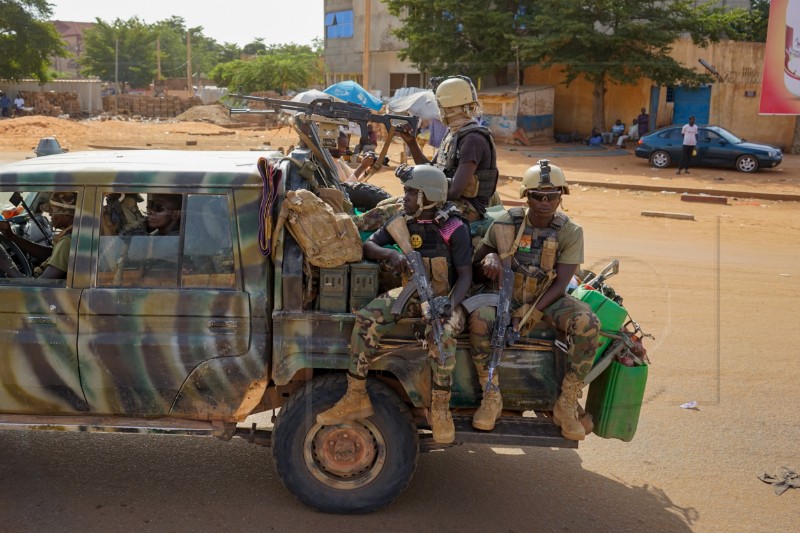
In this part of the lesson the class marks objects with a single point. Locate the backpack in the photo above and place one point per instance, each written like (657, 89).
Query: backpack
(327, 239)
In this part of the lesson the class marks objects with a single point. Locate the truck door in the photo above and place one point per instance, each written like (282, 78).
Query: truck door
(166, 298)
(39, 317)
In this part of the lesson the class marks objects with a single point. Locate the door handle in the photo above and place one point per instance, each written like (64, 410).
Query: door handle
(33, 320)
(223, 324)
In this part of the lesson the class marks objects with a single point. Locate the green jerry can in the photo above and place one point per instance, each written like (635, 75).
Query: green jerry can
(615, 396)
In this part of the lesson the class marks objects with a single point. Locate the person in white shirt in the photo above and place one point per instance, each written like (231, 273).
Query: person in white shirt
(633, 134)
(19, 103)
(347, 174)
(689, 132)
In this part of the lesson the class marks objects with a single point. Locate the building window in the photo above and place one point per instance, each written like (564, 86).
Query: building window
(339, 24)
(670, 94)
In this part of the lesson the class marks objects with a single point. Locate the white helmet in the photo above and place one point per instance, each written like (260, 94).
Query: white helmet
(456, 91)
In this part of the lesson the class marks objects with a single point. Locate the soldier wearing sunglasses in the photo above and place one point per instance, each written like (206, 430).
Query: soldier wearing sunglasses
(543, 247)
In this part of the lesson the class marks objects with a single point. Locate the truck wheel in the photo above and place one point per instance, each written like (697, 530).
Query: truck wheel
(365, 196)
(357, 467)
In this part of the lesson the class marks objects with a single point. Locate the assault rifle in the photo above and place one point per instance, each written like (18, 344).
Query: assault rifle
(503, 334)
(434, 308)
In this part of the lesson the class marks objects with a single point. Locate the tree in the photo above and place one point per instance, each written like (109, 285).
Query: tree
(470, 37)
(27, 40)
(279, 68)
(136, 64)
(748, 25)
(618, 41)
(255, 47)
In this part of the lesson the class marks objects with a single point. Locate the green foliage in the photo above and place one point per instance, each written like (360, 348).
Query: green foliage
(138, 45)
(470, 37)
(137, 52)
(619, 40)
(278, 68)
(27, 40)
(748, 25)
(255, 47)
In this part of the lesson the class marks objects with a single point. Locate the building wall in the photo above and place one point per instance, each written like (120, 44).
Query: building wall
(72, 34)
(344, 56)
(88, 91)
(739, 65)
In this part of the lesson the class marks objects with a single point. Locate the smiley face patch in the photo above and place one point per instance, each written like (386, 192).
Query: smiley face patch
(416, 241)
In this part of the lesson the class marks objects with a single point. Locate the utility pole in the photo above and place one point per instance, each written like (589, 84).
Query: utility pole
(116, 75)
(158, 57)
(367, 22)
(189, 63)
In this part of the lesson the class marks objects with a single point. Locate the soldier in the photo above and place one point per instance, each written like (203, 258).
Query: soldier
(447, 252)
(544, 247)
(467, 154)
(62, 213)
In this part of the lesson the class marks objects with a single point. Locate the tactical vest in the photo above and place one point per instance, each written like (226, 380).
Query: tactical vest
(530, 279)
(484, 182)
(436, 254)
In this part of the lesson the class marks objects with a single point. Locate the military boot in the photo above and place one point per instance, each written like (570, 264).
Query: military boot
(354, 404)
(492, 402)
(441, 420)
(565, 414)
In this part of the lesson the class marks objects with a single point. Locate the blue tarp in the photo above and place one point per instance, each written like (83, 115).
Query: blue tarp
(352, 92)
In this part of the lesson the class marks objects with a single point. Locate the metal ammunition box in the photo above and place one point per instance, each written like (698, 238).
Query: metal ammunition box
(363, 284)
(334, 288)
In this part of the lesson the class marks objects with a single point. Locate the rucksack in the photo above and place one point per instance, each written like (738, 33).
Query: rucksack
(327, 239)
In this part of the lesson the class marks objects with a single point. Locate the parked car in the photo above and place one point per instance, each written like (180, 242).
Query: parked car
(716, 147)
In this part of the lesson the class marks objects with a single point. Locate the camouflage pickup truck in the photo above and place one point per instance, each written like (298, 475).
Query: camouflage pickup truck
(191, 331)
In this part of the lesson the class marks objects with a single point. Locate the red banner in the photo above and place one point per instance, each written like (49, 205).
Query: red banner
(780, 85)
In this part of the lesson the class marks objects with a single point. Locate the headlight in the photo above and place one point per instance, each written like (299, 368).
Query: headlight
(772, 153)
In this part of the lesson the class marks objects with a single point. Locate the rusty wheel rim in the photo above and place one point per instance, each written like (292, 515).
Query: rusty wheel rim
(345, 456)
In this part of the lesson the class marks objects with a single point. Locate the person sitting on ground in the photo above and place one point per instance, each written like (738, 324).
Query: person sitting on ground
(19, 103)
(595, 138)
(633, 133)
(55, 260)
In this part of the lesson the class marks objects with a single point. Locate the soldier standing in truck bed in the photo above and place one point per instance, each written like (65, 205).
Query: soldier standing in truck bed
(544, 250)
(446, 250)
(467, 154)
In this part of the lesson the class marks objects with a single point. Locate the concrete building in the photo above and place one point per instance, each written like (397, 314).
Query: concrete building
(349, 24)
(72, 34)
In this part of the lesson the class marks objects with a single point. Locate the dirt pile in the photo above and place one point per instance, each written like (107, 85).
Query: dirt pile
(214, 114)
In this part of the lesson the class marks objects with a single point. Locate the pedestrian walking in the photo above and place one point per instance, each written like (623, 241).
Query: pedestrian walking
(689, 132)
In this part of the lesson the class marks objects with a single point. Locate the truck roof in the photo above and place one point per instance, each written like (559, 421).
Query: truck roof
(137, 167)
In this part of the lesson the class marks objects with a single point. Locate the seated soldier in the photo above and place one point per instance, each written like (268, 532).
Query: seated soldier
(543, 247)
(62, 211)
(446, 250)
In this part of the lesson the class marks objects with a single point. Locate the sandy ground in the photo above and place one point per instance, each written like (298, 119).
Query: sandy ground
(717, 292)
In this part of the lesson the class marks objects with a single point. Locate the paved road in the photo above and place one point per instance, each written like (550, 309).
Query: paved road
(74, 482)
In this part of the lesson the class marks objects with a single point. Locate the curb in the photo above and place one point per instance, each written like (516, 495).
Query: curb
(776, 197)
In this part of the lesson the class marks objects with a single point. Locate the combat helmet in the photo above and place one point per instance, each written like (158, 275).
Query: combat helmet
(456, 91)
(426, 178)
(543, 175)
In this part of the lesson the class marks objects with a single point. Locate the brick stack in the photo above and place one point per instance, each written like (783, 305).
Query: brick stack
(149, 106)
(52, 104)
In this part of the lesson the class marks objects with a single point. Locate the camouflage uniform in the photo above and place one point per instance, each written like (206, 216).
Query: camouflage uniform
(375, 320)
(571, 317)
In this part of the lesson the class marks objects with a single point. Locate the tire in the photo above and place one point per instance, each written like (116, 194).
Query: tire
(747, 163)
(660, 159)
(385, 465)
(17, 256)
(365, 196)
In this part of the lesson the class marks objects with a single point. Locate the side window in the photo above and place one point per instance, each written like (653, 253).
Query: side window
(36, 237)
(165, 240)
(207, 246)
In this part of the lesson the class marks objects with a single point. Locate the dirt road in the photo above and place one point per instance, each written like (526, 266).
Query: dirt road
(718, 292)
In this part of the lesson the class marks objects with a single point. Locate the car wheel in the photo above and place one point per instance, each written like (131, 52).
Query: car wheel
(365, 196)
(16, 255)
(747, 163)
(355, 467)
(660, 159)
